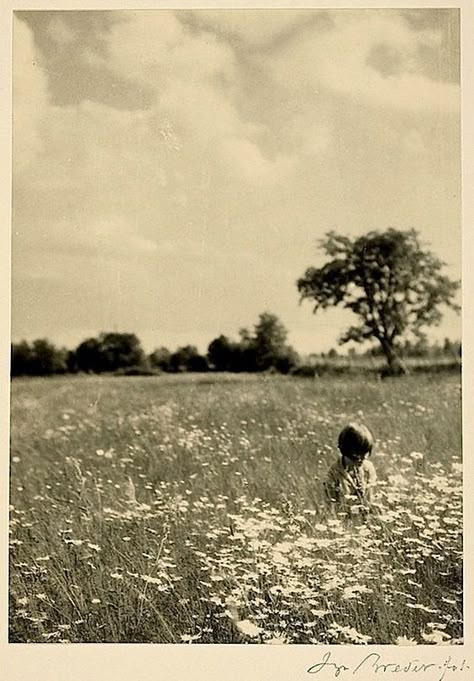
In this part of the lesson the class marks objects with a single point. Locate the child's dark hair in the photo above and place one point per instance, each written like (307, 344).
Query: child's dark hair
(355, 439)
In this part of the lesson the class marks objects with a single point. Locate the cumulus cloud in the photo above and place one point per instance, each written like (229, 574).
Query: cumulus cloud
(100, 152)
(114, 236)
(258, 28)
(60, 32)
(369, 56)
(155, 49)
(195, 75)
(243, 158)
(311, 132)
(30, 98)
(258, 130)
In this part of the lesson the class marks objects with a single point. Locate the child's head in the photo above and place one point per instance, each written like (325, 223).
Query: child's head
(355, 442)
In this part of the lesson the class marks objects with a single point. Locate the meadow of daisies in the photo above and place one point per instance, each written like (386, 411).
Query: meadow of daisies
(190, 509)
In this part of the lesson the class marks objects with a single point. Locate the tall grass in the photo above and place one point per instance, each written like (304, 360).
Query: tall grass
(190, 509)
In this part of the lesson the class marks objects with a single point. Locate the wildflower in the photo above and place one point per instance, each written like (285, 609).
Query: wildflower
(410, 581)
(404, 641)
(279, 558)
(424, 608)
(305, 542)
(150, 580)
(248, 628)
(96, 601)
(349, 633)
(232, 609)
(398, 480)
(331, 584)
(319, 613)
(94, 547)
(437, 637)
(52, 634)
(188, 638)
(355, 590)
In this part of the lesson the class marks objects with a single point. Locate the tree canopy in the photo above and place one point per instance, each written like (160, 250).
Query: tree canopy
(222, 353)
(109, 352)
(40, 358)
(259, 350)
(387, 279)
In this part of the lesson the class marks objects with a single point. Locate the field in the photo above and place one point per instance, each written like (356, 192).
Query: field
(179, 509)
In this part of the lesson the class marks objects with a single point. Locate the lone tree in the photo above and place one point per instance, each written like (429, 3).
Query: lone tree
(388, 280)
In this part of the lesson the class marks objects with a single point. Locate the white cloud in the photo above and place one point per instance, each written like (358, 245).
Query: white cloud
(114, 236)
(243, 158)
(201, 112)
(30, 97)
(338, 61)
(60, 32)
(311, 132)
(103, 149)
(254, 27)
(234, 159)
(155, 49)
(195, 77)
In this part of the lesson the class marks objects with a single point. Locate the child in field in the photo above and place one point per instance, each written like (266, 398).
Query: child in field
(351, 479)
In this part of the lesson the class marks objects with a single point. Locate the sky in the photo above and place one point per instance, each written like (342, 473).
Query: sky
(173, 171)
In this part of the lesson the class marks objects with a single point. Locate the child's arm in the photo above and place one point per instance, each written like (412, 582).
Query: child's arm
(371, 479)
(332, 486)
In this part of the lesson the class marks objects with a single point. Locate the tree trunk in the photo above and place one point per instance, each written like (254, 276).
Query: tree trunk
(395, 365)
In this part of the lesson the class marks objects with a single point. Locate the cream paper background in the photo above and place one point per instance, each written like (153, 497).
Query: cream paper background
(137, 662)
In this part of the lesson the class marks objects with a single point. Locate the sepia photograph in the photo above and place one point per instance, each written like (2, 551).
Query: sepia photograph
(236, 340)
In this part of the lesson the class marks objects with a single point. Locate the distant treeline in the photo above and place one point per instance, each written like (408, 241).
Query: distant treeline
(263, 349)
(419, 349)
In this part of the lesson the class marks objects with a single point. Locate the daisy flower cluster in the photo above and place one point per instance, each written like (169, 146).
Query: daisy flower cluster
(181, 510)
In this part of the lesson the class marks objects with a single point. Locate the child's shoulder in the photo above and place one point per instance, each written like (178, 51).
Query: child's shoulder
(336, 467)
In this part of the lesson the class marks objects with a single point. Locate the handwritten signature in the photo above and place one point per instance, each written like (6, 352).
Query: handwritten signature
(373, 663)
